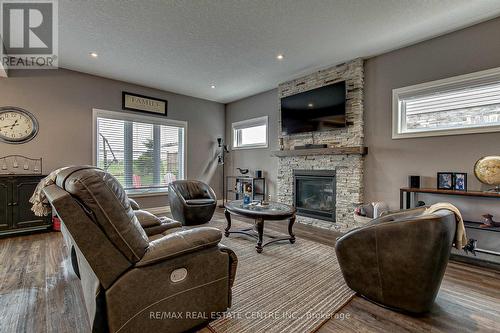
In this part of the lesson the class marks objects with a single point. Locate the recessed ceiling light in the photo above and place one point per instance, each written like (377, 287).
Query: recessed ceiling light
(280, 56)
(310, 105)
(212, 86)
(93, 54)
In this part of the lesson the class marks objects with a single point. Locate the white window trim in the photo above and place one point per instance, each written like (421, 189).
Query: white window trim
(122, 115)
(250, 123)
(434, 86)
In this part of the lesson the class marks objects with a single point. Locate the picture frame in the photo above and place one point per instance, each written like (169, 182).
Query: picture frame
(144, 104)
(460, 181)
(445, 181)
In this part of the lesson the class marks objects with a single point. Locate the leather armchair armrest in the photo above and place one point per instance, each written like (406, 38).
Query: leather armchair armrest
(233, 264)
(146, 219)
(178, 196)
(166, 224)
(210, 192)
(134, 204)
(357, 255)
(179, 243)
(401, 213)
(395, 215)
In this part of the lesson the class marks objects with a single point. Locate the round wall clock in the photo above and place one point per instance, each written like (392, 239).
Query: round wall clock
(17, 125)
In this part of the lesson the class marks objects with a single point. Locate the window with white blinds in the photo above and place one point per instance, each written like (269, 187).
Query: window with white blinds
(459, 105)
(144, 153)
(251, 133)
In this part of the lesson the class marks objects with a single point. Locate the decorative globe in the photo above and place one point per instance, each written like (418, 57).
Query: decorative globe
(487, 170)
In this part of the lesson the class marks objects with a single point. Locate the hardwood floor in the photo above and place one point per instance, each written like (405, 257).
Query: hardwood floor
(468, 301)
(40, 293)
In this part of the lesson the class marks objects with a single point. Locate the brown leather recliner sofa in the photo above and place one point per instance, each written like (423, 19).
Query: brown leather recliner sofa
(136, 278)
(192, 202)
(398, 260)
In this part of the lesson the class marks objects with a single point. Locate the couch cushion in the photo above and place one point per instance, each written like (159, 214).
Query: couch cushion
(200, 201)
(107, 201)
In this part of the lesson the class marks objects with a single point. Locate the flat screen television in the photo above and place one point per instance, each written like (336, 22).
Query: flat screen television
(314, 110)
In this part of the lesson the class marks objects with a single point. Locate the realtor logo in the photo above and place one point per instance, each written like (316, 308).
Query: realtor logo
(29, 34)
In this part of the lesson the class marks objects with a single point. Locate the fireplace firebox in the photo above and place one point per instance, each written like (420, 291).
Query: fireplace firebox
(315, 193)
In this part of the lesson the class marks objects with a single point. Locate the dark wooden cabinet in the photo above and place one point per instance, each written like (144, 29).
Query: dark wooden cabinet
(15, 209)
(5, 199)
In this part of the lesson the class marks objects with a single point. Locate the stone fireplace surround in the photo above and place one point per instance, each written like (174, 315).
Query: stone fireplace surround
(348, 167)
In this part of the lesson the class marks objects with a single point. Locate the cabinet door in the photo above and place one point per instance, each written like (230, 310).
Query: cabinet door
(5, 204)
(22, 216)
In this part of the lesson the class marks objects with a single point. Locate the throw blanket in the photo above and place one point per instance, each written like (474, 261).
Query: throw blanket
(41, 206)
(460, 236)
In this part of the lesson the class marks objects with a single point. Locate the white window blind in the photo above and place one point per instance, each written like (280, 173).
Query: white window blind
(145, 155)
(251, 133)
(459, 105)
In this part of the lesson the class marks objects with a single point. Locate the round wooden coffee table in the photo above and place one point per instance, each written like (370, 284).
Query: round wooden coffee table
(275, 211)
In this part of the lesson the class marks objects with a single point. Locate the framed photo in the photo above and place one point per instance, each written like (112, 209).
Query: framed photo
(445, 180)
(141, 103)
(460, 181)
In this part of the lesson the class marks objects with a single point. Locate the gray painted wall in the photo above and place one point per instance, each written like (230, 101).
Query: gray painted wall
(62, 101)
(389, 162)
(265, 104)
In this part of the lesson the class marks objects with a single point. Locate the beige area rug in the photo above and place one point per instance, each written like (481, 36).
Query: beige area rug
(287, 288)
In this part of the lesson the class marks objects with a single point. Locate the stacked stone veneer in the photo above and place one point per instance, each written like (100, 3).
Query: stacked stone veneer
(349, 168)
(454, 118)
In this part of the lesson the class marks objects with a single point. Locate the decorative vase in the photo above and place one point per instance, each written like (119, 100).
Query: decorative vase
(488, 222)
(246, 199)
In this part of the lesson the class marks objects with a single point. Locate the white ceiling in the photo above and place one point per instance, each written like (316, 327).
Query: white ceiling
(185, 46)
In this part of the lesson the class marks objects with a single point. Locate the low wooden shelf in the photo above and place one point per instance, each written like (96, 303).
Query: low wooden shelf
(256, 182)
(322, 151)
(408, 190)
(487, 238)
(451, 192)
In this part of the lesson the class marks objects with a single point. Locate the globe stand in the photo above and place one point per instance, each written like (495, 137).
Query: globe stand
(496, 189)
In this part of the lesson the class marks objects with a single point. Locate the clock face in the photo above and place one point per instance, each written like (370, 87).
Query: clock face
(17, 125)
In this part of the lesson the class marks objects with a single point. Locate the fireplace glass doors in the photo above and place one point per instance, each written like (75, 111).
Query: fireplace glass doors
(315, 193)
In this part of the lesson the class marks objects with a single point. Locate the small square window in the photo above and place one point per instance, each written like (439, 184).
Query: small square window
(251, 133)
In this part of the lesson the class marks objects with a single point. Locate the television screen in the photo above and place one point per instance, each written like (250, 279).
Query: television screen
(314, 110)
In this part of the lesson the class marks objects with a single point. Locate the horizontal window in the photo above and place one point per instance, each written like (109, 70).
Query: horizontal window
(458, 105)
(251, 133)
(144, 153)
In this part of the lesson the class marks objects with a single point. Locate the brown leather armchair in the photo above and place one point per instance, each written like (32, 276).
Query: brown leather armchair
(134, 280)
(399, 259)
(192, 202)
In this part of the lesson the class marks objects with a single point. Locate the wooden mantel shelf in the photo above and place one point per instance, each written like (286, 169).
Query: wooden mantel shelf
(322, 151)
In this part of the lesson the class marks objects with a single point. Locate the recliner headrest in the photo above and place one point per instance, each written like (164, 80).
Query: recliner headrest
(102, 194)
